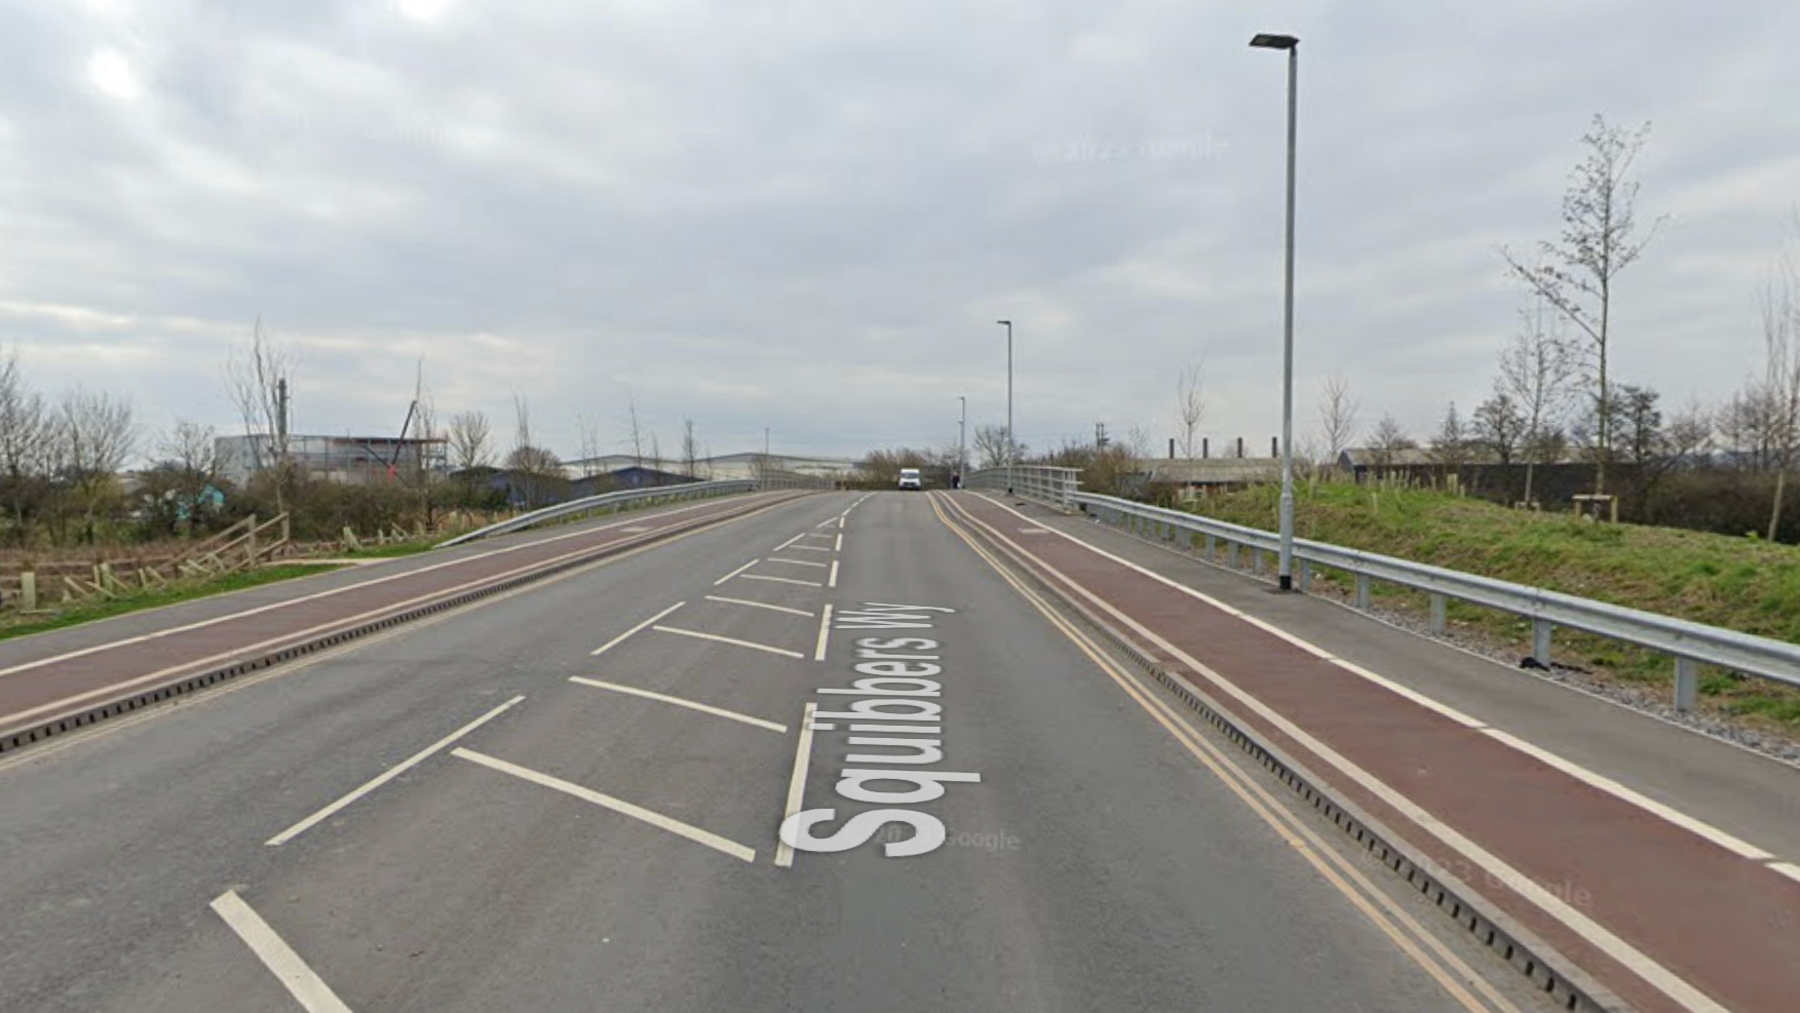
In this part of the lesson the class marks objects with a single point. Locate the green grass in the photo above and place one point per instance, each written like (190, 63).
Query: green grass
(59, 616)
(1737, 583)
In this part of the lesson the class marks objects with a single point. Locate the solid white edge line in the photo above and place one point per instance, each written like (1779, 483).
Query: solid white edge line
(759, 605)
(783, 580)
(824, 634)
(697, 635)
(387, 775)
(795, 562)
(621, 638)
(784, 852)
(1595, 934)
(679, 702)
(1788, 869)
(832, 582)
(1593, 779)
(735, 572)
(307, 988)
(617, 805)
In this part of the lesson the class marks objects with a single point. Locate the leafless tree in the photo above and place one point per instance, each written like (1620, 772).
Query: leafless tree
(1779, 396)
(1387, 440)
(256, 378)
(1337, 417)
(468, 435)
(1450, 447)
(26, 435)
(1537, 371)
(1598, 241)
(636, 432)
(1499, 426)
(1190, 405)
(96, 435)
(690, 449)
(990, 446)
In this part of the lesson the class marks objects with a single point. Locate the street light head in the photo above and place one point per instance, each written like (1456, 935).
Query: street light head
(1007, 323)
(1267, 41)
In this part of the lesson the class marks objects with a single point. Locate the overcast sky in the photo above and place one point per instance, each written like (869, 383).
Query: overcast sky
(807, 216)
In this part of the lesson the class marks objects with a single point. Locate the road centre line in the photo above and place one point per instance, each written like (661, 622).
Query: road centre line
(286, 603)
(839, 546)
(832, 582)
(841, 522)
(796, 562)
(1331, 865)
(385, 776)
(783, 580)
(1591, 778)
(307, 988)
(784, 852)
(735, 572)
(824, 634)
(679, 702)
(1639, 963)
(697, 635)
(759, 605)
(621, 638)
(617, 805)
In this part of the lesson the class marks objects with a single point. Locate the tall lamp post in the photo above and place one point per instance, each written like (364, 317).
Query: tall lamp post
(1011, 444)
(962, 438)
(1286, 568)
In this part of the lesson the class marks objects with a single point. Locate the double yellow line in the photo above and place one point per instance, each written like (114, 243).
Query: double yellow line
(1449, 970)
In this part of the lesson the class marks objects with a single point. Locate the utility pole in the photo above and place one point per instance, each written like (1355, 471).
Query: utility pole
(1099, 436)
(962, 434)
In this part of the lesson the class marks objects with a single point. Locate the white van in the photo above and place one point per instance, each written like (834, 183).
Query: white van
(909, 478)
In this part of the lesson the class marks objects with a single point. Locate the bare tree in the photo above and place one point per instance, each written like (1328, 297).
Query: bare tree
(1387, 440)
(1599, 220)
(990, 446)
(1190, 405)
(1779, 396)
(97, 435)
(690, 449)
(1451, 444)
(1337, 416)
(1538, 372)
(26, 434)
(468, 436)
(1499, 425)
(636, 433)
(256, 378)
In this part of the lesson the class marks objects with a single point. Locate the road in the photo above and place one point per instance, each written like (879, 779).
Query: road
(567, 797)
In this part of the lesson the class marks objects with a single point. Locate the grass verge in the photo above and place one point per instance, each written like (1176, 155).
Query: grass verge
(1737, 583)
(15, 624)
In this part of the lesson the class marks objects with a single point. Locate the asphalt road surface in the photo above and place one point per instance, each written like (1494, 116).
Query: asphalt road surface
(569, 798)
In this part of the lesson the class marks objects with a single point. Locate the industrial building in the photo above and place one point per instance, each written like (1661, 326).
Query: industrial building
(350, 460)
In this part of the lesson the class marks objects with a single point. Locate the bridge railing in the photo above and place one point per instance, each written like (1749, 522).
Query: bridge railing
(1055, 486)
(1690, 644)
(606, 501)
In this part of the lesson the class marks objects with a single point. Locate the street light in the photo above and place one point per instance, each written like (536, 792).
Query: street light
(1010, 443)
(1286, 566)
(962, 438)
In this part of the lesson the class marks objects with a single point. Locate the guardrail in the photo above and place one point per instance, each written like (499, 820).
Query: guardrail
(1690, 644)
(604, 501)
(1056, 486)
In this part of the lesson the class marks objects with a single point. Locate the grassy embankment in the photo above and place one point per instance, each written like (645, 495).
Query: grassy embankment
(1738, 583)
